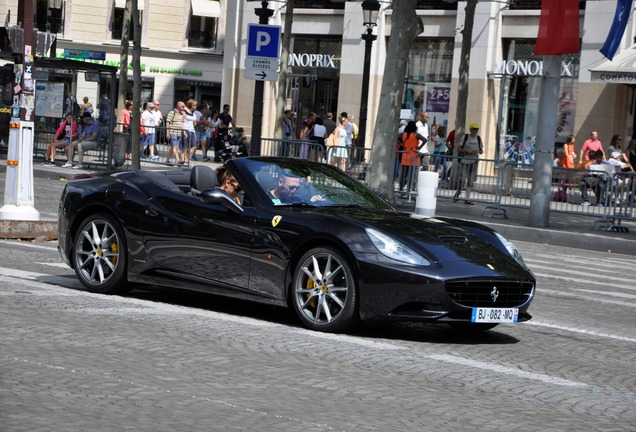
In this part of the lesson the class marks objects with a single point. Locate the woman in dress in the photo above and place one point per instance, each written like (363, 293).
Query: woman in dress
(340, 153)
(568, 152)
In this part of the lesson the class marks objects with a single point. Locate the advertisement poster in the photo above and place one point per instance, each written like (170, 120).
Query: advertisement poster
(49, 100)
(415, 94)
(437, 106)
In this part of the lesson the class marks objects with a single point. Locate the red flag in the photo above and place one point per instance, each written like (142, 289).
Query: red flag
(558, 28)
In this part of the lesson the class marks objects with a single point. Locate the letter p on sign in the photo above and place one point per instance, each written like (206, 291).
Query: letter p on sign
(263, 41)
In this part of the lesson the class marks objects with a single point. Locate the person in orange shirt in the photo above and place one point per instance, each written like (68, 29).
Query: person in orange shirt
(410, 154)
(568, 153)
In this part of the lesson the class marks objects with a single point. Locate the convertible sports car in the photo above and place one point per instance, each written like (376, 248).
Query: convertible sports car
(305, 235)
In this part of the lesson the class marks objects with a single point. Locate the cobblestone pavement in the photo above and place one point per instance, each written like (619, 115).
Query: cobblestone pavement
(171, 361)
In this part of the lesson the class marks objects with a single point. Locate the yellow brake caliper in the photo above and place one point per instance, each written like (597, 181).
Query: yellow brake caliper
(114, 248)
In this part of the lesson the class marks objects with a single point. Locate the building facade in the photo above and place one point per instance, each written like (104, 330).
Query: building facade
(182, 44)
(198, 49)
(504, 77)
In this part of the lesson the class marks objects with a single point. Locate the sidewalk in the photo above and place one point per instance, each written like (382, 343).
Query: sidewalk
(564, 229)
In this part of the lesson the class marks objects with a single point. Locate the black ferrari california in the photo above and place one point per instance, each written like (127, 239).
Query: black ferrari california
(300, 234)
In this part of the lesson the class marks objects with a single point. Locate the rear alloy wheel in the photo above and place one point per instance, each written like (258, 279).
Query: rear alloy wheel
(100, 255)
(324, 291)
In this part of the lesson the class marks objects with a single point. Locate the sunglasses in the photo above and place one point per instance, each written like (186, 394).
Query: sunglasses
(291, 187)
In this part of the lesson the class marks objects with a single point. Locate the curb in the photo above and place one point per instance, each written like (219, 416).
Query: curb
(14, 229)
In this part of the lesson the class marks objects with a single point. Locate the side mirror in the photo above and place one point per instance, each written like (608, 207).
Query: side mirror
(218, 196)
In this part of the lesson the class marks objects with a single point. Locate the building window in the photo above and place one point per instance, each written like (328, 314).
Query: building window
(521, 85)
(319, 4)
(428, 81)
(118, 19)
(314, 75)
(202, 30)
(49, 16)
(534, 4)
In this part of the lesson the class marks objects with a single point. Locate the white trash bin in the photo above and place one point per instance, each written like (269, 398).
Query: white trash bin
(426, 201)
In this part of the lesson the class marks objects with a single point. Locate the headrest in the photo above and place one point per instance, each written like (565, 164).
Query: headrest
(202, 177)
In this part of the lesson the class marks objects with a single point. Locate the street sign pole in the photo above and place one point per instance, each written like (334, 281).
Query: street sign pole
(263, 14)
(18, 192)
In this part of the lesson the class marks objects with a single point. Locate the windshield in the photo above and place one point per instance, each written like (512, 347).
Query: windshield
(290, 181)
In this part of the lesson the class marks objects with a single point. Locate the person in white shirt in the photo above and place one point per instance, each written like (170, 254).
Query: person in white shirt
(148, 121)
(158, 120)
(423, 134)
(189, 139)
(319, 136)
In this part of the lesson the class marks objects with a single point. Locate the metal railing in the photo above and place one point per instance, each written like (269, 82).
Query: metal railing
(500, 185)
(497, 185)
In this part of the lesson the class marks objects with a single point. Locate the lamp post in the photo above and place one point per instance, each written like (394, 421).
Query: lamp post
(370, 11)
(264, 14)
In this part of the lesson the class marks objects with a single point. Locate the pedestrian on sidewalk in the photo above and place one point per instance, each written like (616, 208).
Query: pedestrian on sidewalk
(66, 133)
(87, 140)
(410, 159)
(469, 150)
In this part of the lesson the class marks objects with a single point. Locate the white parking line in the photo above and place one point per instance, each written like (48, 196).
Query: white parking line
(57, 264)
(593, 299)
(608, 293)
(603, 282)
(580, 330)
(548, 379)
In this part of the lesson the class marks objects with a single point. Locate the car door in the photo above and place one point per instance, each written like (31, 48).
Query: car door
(198, 241)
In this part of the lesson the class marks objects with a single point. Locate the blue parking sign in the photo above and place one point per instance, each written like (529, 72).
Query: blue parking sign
(263, 41)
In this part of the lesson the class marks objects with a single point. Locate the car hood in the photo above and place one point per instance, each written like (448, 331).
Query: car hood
(442, 240)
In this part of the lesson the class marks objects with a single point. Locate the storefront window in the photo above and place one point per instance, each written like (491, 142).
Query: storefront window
(520, 75)
(314, 67)
(428, 81)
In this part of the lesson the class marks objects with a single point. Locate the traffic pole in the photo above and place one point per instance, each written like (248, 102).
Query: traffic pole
(18, 196)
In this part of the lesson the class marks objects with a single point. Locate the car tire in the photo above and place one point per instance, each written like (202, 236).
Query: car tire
(100, 254)
(324, 292)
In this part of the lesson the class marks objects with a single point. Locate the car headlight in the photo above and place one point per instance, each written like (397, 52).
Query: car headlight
(394, 249)
(512, 250)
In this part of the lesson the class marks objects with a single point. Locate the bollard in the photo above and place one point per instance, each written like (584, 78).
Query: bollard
(18, 191)
(426, 201)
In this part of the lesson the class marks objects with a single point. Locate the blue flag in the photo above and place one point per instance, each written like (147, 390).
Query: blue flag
(623, 12)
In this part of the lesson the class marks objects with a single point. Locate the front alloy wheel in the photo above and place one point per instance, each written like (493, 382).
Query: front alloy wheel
(100, 255)
(324, 291)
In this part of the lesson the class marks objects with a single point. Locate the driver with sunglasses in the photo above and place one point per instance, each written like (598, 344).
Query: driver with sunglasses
(286, 190)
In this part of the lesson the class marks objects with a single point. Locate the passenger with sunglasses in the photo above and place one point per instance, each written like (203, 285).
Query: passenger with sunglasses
(228, 183)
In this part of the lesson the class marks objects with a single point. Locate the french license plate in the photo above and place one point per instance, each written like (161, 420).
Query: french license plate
(495, 315)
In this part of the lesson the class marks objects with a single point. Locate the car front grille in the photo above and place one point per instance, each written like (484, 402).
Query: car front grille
(489, 293)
